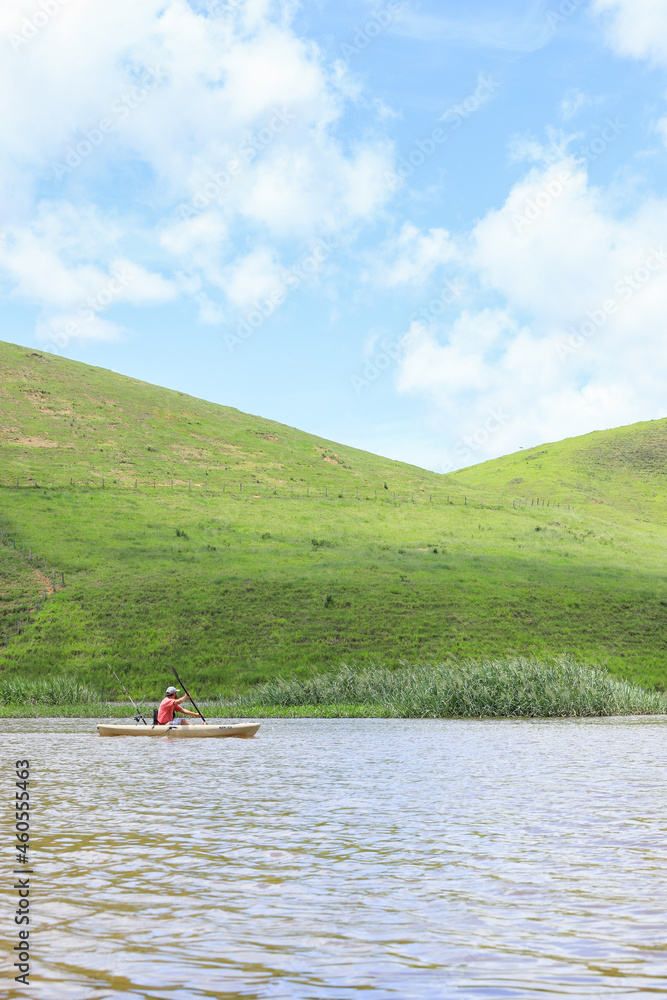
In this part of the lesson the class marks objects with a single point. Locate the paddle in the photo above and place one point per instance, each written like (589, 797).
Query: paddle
(188, 693)
(136, 707)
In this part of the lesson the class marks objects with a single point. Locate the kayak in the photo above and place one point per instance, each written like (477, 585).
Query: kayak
(244, 730)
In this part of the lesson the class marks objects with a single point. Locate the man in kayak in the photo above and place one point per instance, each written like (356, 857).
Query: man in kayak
(171, 704)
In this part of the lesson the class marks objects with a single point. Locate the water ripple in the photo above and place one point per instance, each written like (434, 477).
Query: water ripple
(330, 858)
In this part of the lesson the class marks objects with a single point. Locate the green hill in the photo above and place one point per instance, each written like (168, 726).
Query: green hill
(241, 549)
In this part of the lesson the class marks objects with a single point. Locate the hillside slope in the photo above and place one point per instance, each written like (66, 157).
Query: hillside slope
(60, 419)
(623, 470)
(275, 552)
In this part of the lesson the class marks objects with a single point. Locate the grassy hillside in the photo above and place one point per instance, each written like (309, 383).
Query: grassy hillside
(618, 475)
(278, 553)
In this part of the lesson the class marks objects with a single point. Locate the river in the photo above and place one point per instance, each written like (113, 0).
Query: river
(344, 858)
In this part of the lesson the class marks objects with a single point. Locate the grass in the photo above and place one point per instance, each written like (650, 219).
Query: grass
(509, 688)
(489, 688)
(239, 587)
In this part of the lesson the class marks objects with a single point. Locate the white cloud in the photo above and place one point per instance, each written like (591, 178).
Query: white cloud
(411, 257)
(174, 99)
(574, 102)
(578, 342)
(252, 277)
(515, 34)
(48, 263)
(636, 28)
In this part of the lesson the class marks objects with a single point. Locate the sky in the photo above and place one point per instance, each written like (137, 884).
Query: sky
(432, 230)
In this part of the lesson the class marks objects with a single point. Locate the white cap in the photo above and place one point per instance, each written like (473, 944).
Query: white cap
(173, 690)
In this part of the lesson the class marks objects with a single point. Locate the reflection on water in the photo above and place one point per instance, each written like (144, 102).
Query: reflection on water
(331, 859)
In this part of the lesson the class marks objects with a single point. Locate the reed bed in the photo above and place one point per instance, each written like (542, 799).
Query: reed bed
(488, 688)
(519, 687)
(57, 690)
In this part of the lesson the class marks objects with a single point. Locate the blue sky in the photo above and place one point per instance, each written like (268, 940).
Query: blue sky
(430, 230)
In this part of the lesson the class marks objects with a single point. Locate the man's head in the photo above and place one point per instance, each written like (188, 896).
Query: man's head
(171, 691)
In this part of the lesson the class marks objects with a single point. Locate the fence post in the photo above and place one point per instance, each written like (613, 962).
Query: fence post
(325, 490)
(394, 492)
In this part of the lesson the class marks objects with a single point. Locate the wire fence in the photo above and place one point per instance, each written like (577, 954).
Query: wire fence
(257, 490)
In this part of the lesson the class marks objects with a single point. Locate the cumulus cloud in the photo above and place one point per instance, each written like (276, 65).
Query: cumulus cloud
(411, 257)
(223, 123)
(68, 262)
(578, 341)
(635, 28)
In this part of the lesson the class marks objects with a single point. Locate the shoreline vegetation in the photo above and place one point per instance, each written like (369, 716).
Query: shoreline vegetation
(517, 687)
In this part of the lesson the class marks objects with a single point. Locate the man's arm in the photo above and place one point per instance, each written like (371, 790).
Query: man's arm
(186, 711)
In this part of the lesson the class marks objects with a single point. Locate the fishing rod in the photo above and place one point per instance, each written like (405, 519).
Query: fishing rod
(187, 692)
(136, 707)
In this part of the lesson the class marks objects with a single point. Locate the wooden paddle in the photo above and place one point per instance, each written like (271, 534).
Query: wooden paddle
(188, 693)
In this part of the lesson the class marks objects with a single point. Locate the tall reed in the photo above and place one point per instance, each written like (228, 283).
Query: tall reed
(516, 687)
(57, 690)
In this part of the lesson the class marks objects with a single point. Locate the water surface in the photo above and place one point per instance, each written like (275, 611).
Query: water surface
(338, 859)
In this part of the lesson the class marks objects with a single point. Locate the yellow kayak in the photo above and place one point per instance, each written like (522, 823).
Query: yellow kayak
(244, 730)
